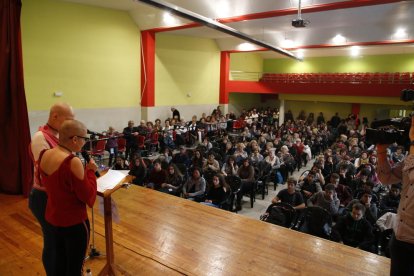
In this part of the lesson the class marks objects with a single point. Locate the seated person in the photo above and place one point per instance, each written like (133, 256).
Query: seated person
(195, 187)
(289, 196)
(217, 193)
(197, 160)
(173, 182)
(120, 164)
(325, 199)
(230, 167)
(181, 157)
(227, 150)
(318, 174)
(157, 176)
(139, 171)
(398, 155)
(367, 187)
(392, 200)
(211, 164)
(255, 156)
(371, 211)
(240, 154)
(273, 160)
(354, 230)
(342, 192)
(308, 186)
(246, 174)
(345, 176)
(360, 179)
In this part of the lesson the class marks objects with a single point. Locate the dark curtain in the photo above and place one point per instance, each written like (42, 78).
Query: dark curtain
(15, 164)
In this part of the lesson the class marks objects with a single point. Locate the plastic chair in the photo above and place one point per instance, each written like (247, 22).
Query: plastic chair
(235, 184)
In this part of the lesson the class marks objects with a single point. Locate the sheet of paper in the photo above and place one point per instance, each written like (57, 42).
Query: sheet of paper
(125, 172)
(109, 180)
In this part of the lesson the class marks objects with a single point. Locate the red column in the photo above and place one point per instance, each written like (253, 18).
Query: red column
(224, 77)
(148, 68)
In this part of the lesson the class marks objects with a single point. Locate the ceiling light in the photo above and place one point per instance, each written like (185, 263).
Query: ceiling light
(288, 44)
(246, 46)
(208, 22)
(169, 19)
(400, 33)
(299, 53)
(339, 39)
(355, 50)
(295, 3)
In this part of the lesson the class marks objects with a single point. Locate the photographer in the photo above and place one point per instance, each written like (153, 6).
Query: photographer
(402, 242)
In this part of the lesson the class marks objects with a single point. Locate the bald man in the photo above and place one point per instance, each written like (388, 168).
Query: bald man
(46, 138)
(69, 188)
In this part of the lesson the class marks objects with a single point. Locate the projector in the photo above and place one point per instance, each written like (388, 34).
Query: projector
(299, 23)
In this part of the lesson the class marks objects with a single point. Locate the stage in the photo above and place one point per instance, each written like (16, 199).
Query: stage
(162, 234)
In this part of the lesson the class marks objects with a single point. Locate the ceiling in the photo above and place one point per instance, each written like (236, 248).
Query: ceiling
(359, 22)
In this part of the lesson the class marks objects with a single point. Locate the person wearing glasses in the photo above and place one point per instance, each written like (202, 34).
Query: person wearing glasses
(70, 187)
(46, 137)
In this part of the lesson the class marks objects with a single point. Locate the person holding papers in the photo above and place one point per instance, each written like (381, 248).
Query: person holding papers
(70, 187)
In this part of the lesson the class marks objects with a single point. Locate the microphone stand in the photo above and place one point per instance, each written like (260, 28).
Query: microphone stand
(93, 253)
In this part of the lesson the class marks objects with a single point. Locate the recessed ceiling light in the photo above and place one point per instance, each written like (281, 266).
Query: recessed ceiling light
(355, 50)
(339, 39)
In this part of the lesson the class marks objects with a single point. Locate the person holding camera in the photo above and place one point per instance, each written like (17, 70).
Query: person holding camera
(402, 241)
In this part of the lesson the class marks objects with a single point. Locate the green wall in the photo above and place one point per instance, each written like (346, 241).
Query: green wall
(90, 54)
(186, 66)
(380, 63)
(247, 62)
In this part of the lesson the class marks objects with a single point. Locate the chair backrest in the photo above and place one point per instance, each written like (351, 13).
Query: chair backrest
(121, 144)
(100, 147)
(315, 221)
(234, 182)
(140, 140)
(154, 137)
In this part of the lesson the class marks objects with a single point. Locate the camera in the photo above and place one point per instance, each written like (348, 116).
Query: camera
(392, 130)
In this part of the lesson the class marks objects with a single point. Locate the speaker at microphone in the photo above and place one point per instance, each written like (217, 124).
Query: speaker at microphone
(87, 158)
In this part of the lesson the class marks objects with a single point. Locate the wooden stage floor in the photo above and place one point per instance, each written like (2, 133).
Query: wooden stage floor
(161, 234)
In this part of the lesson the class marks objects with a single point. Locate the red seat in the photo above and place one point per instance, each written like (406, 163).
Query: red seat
(405, 78)
(153, 143)
(121, 145)
(237, 125)
(140, 142)
(98, 150)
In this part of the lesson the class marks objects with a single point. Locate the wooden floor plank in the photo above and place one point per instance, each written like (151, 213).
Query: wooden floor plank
(162, 234)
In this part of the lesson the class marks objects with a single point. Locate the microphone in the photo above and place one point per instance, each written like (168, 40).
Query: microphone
(87, 158)
(93, 133)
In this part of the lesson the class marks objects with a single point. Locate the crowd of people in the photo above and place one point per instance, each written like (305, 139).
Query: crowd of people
(343, 178)
(203, 160)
